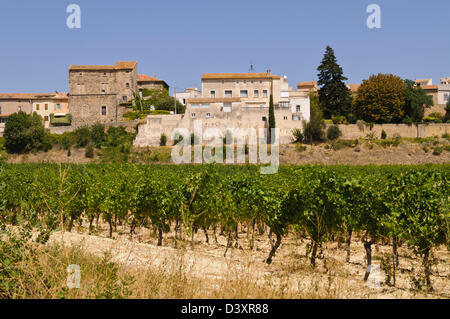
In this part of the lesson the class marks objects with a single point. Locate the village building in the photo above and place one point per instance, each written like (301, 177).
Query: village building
(189, 93)
(46, 105)
(148, 82)
(235, 100)
(97, 90)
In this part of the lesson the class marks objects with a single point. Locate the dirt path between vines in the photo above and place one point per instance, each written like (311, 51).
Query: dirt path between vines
(290, 269)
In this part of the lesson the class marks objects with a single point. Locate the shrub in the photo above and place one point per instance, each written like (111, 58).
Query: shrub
(408, 121)
(25, 133)
(361, 124)
(340, 144)
(333, 133)
(300, 148)
(90, 151)
(82, 136)
(314, 130)
(383, 135)
(425, 149)
(97, 134)
(436, 115)
(298, 135)
(437, 151)
(429, 119)
(163, 140)
(338, 119)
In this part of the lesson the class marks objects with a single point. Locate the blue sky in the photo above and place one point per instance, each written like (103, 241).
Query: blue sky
(180, 40)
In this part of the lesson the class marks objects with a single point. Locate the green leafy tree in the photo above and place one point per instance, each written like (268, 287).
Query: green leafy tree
(25, 133)
(314, 130)
(334, 96)
(416, 100)
(97, 134)
(161, 100)
(447, 112)
(381, 99)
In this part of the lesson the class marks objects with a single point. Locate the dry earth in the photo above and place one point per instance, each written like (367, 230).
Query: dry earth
(290, 271)
(408, 153)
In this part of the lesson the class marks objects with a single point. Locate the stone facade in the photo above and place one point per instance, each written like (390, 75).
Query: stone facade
(352, 131)
(96, 91)
(234, 101)
(148, 82)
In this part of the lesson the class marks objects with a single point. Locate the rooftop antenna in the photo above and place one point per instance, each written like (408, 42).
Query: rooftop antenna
(252, 67)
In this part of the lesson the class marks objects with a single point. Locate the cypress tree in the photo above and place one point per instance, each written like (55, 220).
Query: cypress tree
(334, 96)
(271, 119)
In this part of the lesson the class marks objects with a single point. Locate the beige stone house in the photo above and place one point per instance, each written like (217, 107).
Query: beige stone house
(148, 82)
(189, 93)
(234, 100)
(97, 90)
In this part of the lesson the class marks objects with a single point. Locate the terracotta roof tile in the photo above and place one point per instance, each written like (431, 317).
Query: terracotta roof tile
(236, 76)
(117, 66)
(33, 96)
(214, 100)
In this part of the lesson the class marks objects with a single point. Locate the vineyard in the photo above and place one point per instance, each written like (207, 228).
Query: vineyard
(395, 204)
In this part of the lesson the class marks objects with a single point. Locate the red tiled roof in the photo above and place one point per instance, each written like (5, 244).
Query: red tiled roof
(117, 66)
(430, 87)
(235, 76)
(146, 78)
(33, 96)
(214, 100)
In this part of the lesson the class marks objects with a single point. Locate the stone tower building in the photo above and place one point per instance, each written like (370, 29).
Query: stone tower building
(97, 90)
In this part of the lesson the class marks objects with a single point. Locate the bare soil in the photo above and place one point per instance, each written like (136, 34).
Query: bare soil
(290, 271)
(405, 153)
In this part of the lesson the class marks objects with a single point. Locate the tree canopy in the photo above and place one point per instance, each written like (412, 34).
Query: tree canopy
(25, 133)
(381, 99)
(334, 96)
(416, 100)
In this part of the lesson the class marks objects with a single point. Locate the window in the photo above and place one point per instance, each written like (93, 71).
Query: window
(127, 85)
(195, 106)
(227, 107)
(103, 110)
(0, 109)
(213, 94)
(296, 117)
(208, 115)
(58, 107)
(205, 105)
(20, 108)
(297, 108)
(284, 104)
(46, 107)
(193, 115)
(285, 118)
(124, 98)
(244, 93)
(256, 93)
(264, 118)
(228, 94)
(46, 118)
(261, 107)
(37, 107)
(184, 101)
(264, 93)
